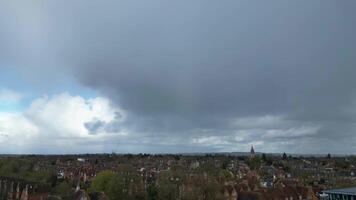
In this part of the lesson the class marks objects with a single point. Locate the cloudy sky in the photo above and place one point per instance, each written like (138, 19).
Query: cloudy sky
(177, 76)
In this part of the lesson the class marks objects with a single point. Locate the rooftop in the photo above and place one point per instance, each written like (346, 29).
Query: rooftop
(350, 191)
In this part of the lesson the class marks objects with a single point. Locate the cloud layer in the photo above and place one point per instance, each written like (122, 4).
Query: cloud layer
(193, 76)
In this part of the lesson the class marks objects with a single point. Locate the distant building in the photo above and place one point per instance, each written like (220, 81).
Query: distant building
(339, 194)
(252, 152)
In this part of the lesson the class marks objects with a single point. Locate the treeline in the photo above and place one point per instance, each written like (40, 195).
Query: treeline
(25, 169)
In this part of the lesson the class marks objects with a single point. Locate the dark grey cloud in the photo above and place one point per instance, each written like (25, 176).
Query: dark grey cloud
(94, 126)
(179, 68)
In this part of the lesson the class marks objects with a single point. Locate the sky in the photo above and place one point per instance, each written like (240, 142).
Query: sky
(177, 76)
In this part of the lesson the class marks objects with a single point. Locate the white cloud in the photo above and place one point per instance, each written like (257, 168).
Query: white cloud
(57, 120)
(15, 128)
(65, 115)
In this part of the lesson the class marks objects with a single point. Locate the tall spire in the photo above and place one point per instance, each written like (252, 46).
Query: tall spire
(252, 152)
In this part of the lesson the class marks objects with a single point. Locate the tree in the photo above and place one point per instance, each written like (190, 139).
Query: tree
(267, 160)
(328, 156)
(26, 169)
(168, 191)
(225, 164)
(152, 193)
(126, 185)
(284, 157)
(254, 163)
(101, 181)
(64, 189)
(169, 183)
(264, 157)
(211, 190)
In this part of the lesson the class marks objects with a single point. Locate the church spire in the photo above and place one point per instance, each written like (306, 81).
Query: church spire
(252, 152)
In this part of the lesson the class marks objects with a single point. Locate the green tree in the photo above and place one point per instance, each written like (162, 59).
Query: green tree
(126, 184)
(211, 190)
(64, 190)
(225, 164)
(284, 156)
(25, 169)
(168, 191)
(169, 183)
(264, 157)
(254, 163)
(152, 192)
(101, 181)
(328, 156)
